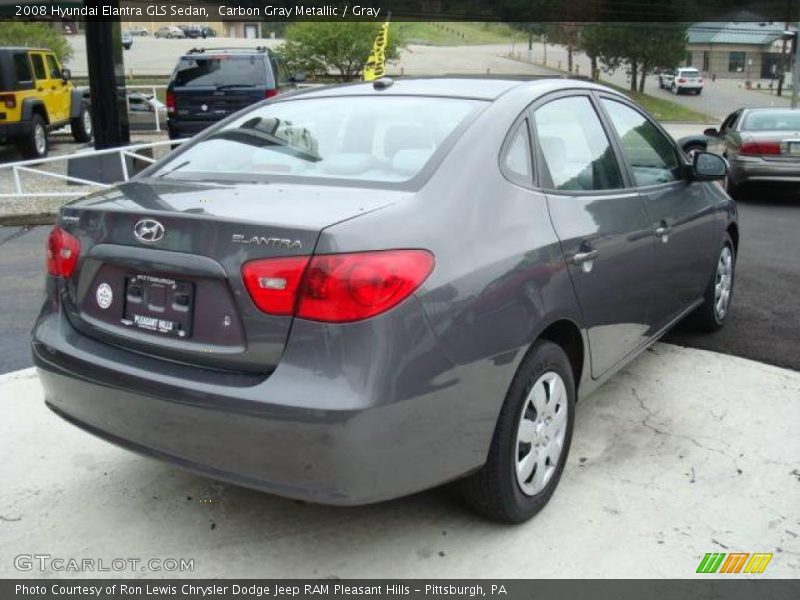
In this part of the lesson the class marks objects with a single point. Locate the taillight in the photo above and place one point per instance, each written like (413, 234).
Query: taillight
(700, 80)
(270, 93)
(170, 102)
(273, 282)
(8, 100)
(681, 80)
(760, 148)
(336, 288)
(62, 253)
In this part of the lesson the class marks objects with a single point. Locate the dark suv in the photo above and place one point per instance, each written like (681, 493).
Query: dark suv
(210, 84)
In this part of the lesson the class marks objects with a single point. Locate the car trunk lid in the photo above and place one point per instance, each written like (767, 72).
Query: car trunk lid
(160, 264)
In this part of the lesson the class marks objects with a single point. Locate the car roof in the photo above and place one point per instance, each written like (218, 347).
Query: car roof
(478, 87)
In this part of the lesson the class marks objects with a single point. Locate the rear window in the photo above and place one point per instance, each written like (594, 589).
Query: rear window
(213, 71)
(387, 139)
(773, 120)
(22, 67)
(690, 72)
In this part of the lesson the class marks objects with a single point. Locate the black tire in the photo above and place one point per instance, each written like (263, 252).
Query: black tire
(31, 146)
(494, 491)
(706, 317)
(699, 92)
(674, 89)
(81, 130)
(734, 190)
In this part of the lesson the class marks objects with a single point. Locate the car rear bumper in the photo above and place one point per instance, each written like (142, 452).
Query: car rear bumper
(186, 128)
(755, 169)
(389, 420)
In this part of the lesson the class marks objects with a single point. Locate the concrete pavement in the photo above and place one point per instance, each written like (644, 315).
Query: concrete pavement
(684, 452)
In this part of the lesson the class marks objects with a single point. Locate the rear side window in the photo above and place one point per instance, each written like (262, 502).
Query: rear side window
(772, 120)
(648, 151)
(22, 67)
(362, 138)
(213, 71)
(38, 66)
(516, 160)
(575, 147)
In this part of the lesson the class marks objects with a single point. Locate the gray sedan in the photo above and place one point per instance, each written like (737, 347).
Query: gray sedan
(354, 293)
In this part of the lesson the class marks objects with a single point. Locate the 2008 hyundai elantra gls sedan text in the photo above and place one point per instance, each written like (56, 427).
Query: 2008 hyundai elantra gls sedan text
(354, 293)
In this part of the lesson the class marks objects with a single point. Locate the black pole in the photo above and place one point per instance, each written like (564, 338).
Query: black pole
(107, 82)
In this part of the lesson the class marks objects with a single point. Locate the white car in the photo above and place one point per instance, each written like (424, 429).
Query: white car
(682, 79)
(169, 32)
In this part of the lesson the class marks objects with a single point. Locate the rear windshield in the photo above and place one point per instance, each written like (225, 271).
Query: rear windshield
(17, 75)
(773, 120)
(690, 72)
(364, 138)
(213, 71)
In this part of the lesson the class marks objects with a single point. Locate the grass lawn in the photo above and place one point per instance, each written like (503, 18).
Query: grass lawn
(452, 34)
(664, 110)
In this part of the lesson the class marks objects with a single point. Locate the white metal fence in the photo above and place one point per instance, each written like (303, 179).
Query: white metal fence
(34, 167)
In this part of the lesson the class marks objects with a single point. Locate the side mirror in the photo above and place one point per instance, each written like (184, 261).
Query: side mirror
(711, 132)
(299, 77)
(66, 74)
(708, 167)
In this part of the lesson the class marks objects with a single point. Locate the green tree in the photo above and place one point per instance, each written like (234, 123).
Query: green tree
(35, 35)
(336, 48)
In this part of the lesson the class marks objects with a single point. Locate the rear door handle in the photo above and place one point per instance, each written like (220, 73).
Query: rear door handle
(583, 257)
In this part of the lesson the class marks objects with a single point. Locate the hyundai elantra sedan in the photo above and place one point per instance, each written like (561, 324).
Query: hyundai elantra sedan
(358, 292)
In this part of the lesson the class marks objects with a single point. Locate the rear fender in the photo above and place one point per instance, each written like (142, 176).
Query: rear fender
(31, 106)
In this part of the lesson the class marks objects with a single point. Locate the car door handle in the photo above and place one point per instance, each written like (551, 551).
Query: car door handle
(663, 230)
(583, 257)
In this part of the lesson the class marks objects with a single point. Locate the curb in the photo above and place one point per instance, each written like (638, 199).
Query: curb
(23, 219)
(28, 373)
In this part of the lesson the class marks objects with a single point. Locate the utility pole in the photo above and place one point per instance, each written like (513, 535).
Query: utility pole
(796, 67)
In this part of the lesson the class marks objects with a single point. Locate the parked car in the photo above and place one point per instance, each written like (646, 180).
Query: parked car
(762, 145)
(207, 85)
(127, 40)
(207, 32)
(191, 31)
(355, 293)
(142, 109)
(139, 30)
(682, 79)
(169, 32)
(36, 98)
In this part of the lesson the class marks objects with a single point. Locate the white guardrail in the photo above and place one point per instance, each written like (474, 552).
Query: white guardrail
(29, 166)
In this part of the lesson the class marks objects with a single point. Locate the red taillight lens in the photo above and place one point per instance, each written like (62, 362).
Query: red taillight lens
(681, 80)
(62, 253)
(760, 148)
(270, 93)
(336, 288)
(700, 80)
(170, 102)
(273, 282)
(8, 100)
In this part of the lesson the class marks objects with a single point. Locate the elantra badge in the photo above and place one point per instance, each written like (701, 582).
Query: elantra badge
(148, 231)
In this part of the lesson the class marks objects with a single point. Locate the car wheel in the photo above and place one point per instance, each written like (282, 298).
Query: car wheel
(712, 314)
(36, 143)
(699, 92)
(674, 89)
(734, 190)
(82, 125)
(531, 439)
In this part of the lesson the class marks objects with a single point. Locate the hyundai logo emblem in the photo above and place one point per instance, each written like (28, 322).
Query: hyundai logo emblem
(148, 231)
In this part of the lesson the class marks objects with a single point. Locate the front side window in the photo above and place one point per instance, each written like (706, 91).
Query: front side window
(516, 160)
(650, 154)
(53, 68)
(387, 139)
(575, 147)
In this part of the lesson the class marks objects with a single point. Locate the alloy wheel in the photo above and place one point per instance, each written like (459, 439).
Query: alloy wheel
(723, 283)
(40, 139)
(540, 433)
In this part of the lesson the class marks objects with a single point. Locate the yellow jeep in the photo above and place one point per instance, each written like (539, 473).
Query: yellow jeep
(37, 97)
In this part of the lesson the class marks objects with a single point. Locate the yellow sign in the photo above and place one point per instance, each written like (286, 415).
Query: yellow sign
(376, 63)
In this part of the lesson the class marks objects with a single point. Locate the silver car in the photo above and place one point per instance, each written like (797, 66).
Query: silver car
(762, 145)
